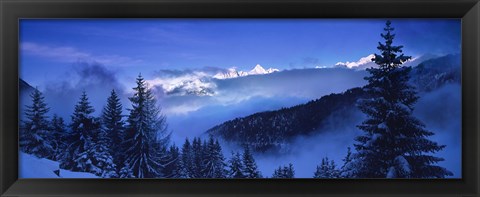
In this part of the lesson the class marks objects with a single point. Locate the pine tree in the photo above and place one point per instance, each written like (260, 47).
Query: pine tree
(214, 162)
(236, 167)
(251, 170)
(198, 152)
(173, 167)
(326, 169)
(285, 172)
(346, 170)
(203, 154)
(187, 167)
(102, 157)
(113, 126)
(125, 172)
(395, 143)
(289, 172)
(80, 136)
(278, 173)
(146, 134)
(59, 130)
(87, 150)
(35, 135)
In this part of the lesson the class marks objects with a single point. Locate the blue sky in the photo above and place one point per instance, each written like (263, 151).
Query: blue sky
(131, 46)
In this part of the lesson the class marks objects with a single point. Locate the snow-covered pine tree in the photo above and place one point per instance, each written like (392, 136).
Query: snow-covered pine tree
(125, 172)
(204, 153)
(173, 167)
(214, 162)
(289, 172)
(278, 173)
(113, 126)
(146, 134)
(236, 167)
(187, 167)
(59, 130)
(101, 155)
(285, 172)
(80, 135)
(395, 143)
(35, 136)
(251, 169)
(346, 169)
(198, 152)
(326, 169)
(88, 146)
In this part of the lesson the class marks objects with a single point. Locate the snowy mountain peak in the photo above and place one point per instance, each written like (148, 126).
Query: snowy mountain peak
(231, 73)
(258, 70)
(366, 62)
(362, 61)
(271, 70)
(234, 73)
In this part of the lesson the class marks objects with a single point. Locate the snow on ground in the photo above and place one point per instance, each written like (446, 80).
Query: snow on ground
(33, 167)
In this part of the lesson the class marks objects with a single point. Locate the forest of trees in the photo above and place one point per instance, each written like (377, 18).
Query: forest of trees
(394, 145)
(138, 147)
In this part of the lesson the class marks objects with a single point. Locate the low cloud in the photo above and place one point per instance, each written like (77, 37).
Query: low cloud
(439, 110)
(181, 83)
(192, 115)
(96, 80)
(330, 141)
(199, 85)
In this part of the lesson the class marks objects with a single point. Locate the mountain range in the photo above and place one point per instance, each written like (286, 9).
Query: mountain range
(203, 84)
(233, 73)
(366, 62)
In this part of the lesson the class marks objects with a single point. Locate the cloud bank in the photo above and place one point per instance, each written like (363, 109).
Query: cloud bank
(439, 110)
(182, 92)
(95, 79)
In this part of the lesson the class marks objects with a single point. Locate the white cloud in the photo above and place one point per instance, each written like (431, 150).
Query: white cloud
(199, 82)
(360, 62)
(71, 54)
(194, 83)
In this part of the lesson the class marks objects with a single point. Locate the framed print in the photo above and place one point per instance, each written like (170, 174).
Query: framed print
(201, 119)
(239, 98)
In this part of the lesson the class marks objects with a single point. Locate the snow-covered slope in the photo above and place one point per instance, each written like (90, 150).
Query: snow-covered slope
(34, 167)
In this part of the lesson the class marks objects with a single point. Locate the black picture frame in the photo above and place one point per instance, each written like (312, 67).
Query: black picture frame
(12, 10)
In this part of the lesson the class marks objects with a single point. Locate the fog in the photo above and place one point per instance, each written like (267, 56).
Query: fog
(307, 151)
(62, 93)
(198, 122)
(439, 110)
(192, 115)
